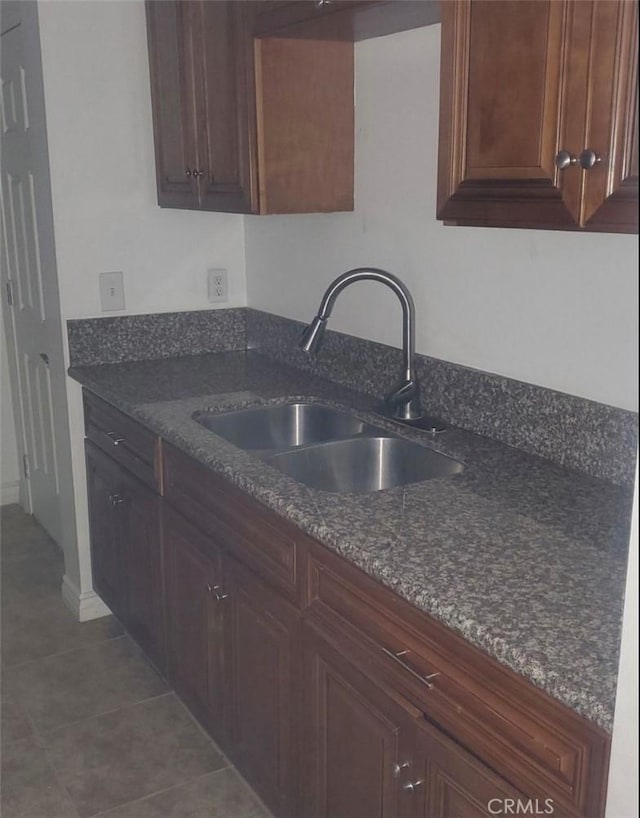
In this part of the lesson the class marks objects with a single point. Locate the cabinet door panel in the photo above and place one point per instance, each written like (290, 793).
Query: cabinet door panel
(610, 197)
(194, 630)
(225, 97)
(352, 739)
(501, 89)
(142, 561)
(106, 554)
(262, 645)
(173, 101)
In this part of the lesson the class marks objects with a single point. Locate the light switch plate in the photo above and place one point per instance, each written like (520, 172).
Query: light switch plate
(111, 291)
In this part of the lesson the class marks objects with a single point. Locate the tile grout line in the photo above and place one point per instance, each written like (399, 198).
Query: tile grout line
(157, 792)
(17, 665)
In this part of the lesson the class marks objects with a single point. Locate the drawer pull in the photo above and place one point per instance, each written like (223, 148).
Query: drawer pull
(113, 437)
(115, 499)
(397, 657)
(219, 593)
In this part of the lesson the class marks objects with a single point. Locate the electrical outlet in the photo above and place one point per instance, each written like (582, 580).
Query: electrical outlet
(217, 285)
(111, 291)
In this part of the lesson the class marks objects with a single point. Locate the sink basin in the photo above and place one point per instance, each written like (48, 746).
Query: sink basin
(283, 427)
(364, 464)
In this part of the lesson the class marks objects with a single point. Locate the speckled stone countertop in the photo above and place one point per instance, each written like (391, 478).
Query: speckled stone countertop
(525, 559)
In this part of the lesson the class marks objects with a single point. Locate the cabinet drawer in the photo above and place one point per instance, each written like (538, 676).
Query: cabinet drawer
(271, 547)
(536, 743)
(126, 441)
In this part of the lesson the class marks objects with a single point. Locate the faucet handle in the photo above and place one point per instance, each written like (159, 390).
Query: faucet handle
(404, 400)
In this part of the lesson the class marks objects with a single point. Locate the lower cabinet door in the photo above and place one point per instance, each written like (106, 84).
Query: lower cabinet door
(445, 781)
(354, 741)
(142, 562)
(195, 641)
(103, 490)
(262, 644)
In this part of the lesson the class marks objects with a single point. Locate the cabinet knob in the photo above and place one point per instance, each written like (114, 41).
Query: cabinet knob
(589, 158)
(412, 786)
(115, 499)
(564, 159)
(219, 593)
(187, 171)
(320, 3)
(398, 768)
(197, 173)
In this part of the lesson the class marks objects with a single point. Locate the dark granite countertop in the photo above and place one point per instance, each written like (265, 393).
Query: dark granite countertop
(525, 559)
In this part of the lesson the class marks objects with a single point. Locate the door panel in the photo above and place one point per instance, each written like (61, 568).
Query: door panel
(262, 645)
(106, 553)
(142, 559)
(28, 264)
(194, 625)
(353, 736)
(226, 130)
(173, 100)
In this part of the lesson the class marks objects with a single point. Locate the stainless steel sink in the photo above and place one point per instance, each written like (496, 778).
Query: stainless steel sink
(283, 427)
(364, 464)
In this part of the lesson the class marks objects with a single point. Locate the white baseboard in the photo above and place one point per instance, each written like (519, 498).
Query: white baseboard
(84, 606)
(9, 493)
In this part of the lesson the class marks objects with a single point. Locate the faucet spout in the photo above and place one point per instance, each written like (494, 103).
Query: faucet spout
(404, 400)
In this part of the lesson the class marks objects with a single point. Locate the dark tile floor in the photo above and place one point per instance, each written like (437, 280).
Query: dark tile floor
(88, 727)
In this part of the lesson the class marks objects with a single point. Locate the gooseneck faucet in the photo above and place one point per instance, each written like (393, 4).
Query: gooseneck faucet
(404, 400)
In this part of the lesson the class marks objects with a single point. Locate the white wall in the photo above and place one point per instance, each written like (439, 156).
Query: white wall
(9, 468)
(622, 800)
(551, 308)
(106, 217)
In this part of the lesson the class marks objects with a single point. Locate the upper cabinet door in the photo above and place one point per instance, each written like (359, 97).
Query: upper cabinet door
(608, 147)
(173, 101)
(526, 88)
(225, 103)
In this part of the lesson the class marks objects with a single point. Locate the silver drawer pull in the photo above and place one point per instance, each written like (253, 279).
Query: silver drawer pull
(397, 657)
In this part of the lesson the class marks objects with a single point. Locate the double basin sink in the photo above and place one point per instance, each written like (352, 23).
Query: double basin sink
(327, 449)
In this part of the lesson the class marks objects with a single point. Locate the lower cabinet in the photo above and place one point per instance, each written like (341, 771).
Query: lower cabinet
(126, 553)
(370, 753)
(195, 623)
(311, 677)
(231, 654)
(356, 735)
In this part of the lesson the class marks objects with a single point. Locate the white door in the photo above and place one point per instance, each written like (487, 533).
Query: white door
(29, 277)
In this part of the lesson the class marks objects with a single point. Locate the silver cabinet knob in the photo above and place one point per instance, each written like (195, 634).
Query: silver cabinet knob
(589, 158)
(320, 3)
(197, 173)
(564, 159)
(398, 768)
(187, 171)
(412, 786)
(219, 593)
(115, 499)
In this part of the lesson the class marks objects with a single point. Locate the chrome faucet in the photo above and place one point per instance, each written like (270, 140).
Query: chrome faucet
(404, 401)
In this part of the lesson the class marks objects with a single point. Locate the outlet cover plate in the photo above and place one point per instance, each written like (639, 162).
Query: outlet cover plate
(217, 285)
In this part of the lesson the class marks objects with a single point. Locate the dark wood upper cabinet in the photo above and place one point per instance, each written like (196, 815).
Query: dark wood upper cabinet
(202, 95)
(538, 114)
(243, 128)
(350, 20)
